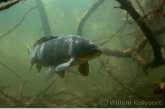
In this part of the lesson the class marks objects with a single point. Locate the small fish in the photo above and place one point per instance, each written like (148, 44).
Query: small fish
(58, 53)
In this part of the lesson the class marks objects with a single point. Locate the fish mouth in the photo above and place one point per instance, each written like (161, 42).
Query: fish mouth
(92, 56)
(99, 52)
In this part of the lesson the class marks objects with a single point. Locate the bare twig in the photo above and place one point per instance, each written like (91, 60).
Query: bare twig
(30, 101)
(9, 5)
(133, 53)
(24, 80)
(73, 94)
(142, 43)
(50, 85)
(108, 52)
(86, 15)
(63, 89)
(109, 37)
(43, 16)
(158, 59)
(102, 67)
(5, 86)
(116, 31)
(119, 81)
(129, 53)
(4, 1)
(83, 79)
(17, 23)
(140, 7)
(10, 97)
(12, 70)
(86, 81)
(20, 88)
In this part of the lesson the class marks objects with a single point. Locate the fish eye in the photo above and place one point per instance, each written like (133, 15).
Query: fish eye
(87, 47)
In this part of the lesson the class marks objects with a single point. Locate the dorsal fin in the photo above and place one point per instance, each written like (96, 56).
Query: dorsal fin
(44, 39)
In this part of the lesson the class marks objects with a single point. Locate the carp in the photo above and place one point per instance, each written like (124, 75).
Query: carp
(57, 53)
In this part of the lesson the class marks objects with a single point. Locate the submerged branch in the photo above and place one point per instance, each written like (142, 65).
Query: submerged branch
(13, 99)
(158, 59)
(142, 43)
(5, 86)
(50, 85)
(20, 88)
(17, 23)
(12, 70)
(129, 53)
(108, 52)
(140, 6)
(43, 16)
(159, 31)
(73, 94)
(24, 80)
(116, 31)
(86, 16)
(121, 82)
(4, 1)
(9, 5)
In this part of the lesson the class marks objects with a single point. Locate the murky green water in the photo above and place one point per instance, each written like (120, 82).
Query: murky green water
(74, 90)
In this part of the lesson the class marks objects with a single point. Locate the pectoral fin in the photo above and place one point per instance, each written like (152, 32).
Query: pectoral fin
(61, 67)
(84, 69)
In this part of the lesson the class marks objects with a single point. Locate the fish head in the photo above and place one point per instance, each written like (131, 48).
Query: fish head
(91, 50)
(86, 50)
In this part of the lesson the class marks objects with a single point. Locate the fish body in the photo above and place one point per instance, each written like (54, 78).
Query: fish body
(61, 52)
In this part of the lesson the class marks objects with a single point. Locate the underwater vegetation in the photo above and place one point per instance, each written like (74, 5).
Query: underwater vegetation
(130, 72)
